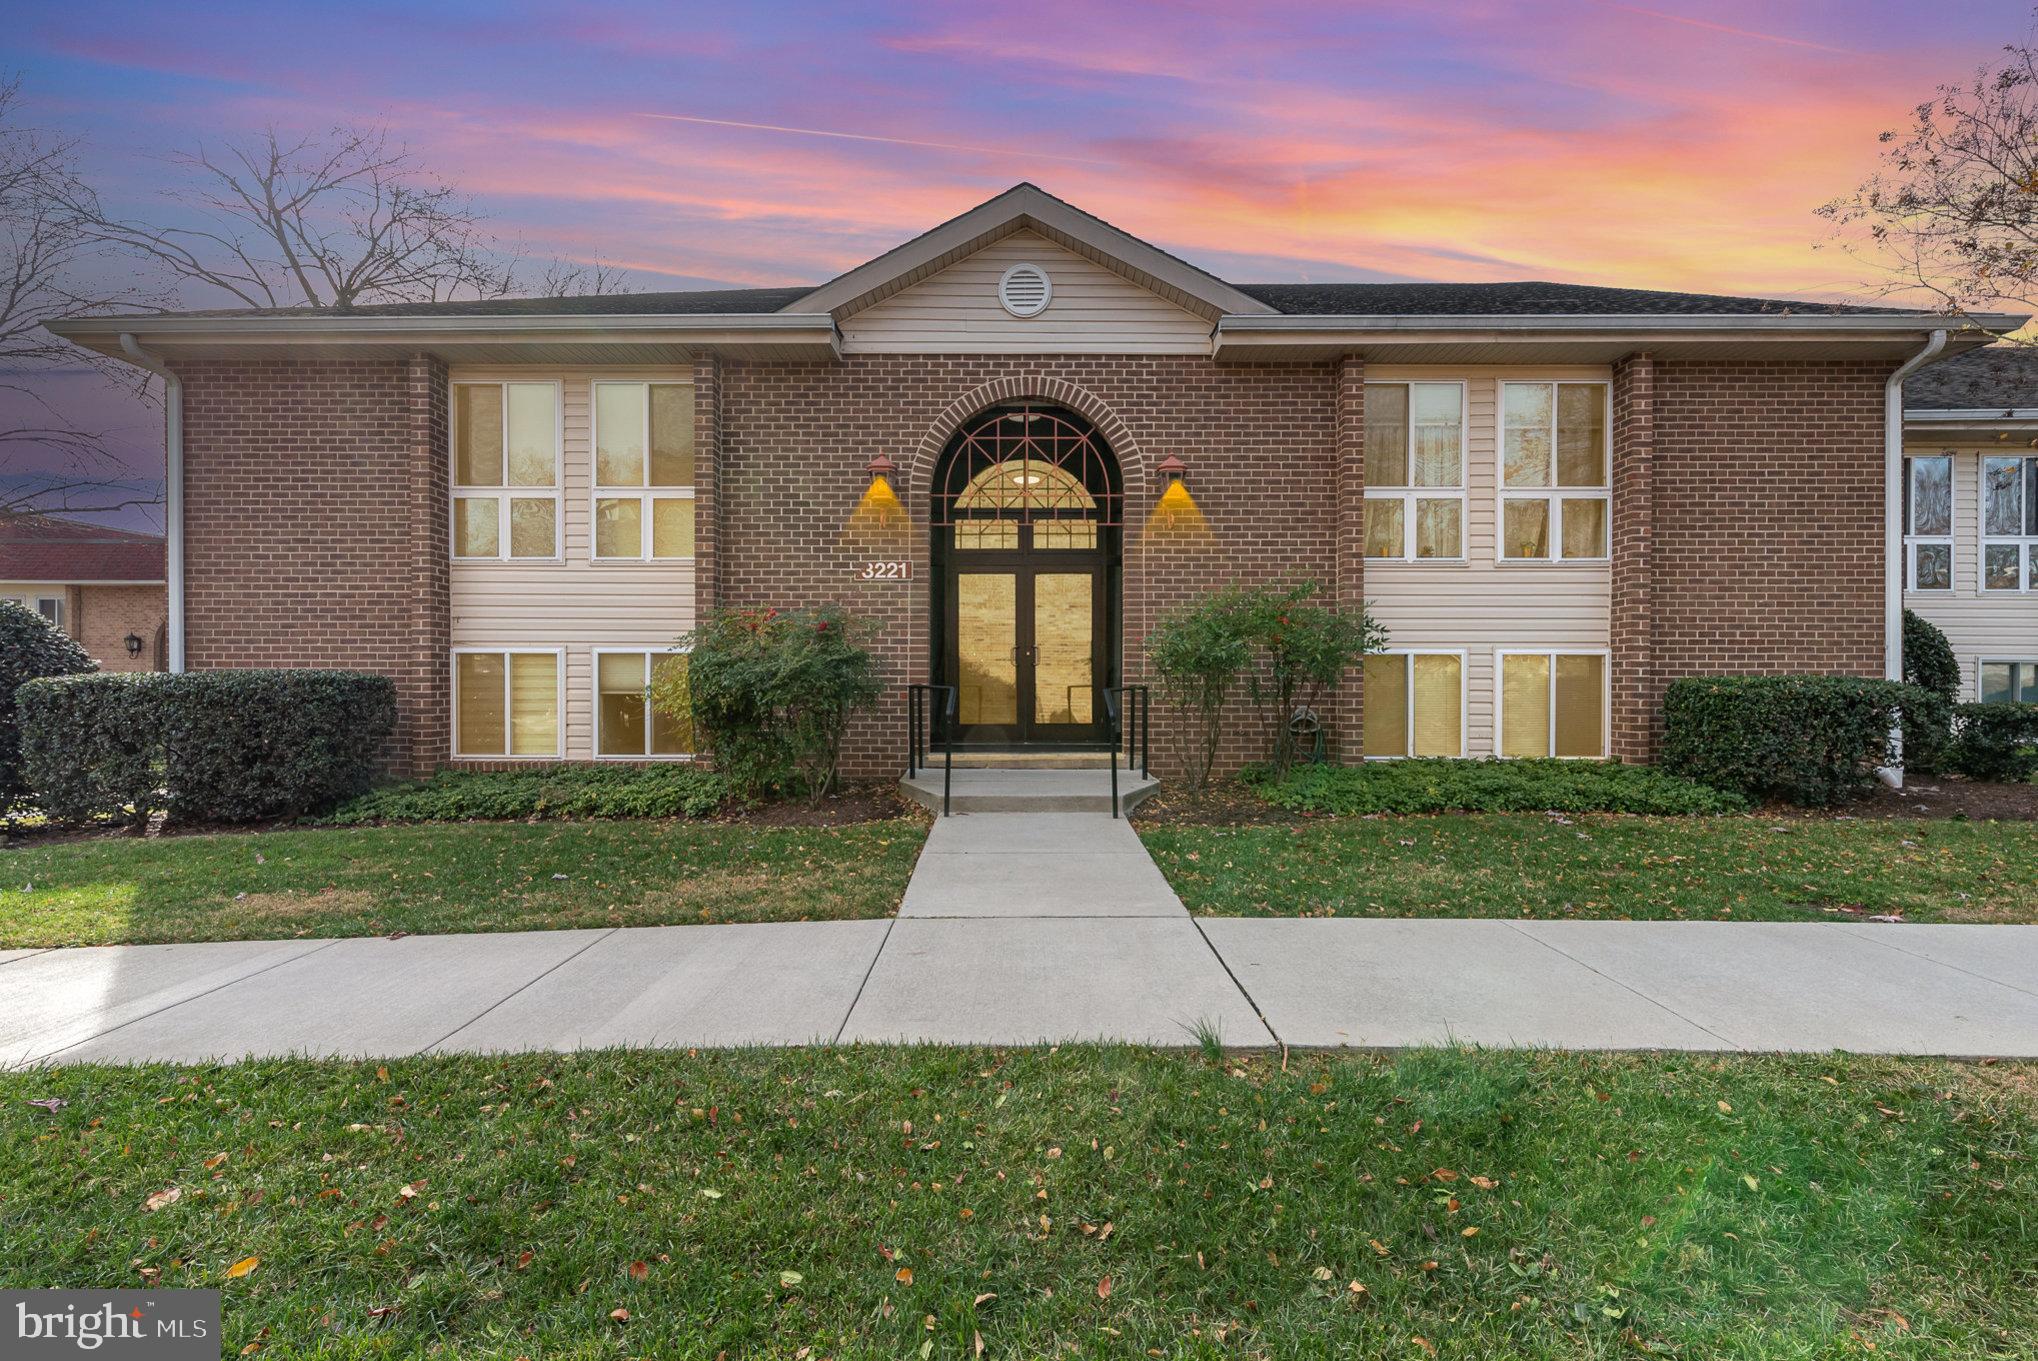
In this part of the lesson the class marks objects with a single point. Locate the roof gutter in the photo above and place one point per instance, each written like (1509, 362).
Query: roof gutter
(1696, 323)
(173, 491)
(1893, 532)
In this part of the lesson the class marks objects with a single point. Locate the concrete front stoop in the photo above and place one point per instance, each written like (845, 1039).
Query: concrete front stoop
(1007, 789)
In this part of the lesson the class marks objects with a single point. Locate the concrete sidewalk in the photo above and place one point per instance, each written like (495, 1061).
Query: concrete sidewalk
(1019, 928)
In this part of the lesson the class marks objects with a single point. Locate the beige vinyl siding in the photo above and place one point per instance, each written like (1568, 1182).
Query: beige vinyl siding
(574, 604)
(1998, 626)
(1480, 605)
(1093, 311)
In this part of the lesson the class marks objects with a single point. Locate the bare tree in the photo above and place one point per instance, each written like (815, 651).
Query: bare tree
(47, 259)
(1953, 212)
(569, 279)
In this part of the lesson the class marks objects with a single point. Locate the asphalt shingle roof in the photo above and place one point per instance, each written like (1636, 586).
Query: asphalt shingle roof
(47, 548)
(1532, 298)
(1994, 378)
(603, 304)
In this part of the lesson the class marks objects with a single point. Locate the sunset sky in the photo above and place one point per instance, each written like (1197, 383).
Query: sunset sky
(1672, 145)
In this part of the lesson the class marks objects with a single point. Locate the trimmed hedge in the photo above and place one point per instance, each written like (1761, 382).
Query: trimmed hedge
(205, 746)
(553, 791)
(1516, 786)
(1813, 740)
(1996, 741)
(30, 647)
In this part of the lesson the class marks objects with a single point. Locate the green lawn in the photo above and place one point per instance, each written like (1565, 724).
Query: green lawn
(457, 877)
(1115, 1202)
(1748, 868)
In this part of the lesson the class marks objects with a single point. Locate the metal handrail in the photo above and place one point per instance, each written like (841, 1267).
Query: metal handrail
(917, 737)
(1139, 726)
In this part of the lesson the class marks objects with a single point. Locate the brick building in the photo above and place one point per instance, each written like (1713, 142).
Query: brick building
(1014, 443)
(104, 587)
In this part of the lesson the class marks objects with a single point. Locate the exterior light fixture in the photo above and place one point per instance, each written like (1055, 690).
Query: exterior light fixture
(134, 644)
(881, 469)
(1172, 468)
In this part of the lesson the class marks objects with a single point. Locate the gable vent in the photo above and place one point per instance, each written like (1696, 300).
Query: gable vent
(1025, 291)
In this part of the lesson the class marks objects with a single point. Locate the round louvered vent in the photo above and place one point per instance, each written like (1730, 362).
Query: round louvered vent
(1025, 291)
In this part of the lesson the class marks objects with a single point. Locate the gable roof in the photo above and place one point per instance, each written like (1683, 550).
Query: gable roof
(1023, 206)
(1532, 298)
(1996, 378)
(49, 548)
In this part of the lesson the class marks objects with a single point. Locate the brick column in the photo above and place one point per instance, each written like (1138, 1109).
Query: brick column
(1348, 709)
(424, 685)
(1634, 720)
(707, 472)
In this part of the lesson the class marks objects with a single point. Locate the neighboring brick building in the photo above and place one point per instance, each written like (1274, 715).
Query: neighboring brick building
(1014, 443)
(104, 587)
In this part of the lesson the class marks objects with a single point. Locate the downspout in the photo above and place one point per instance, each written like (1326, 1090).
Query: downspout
(1893, 533)
(173, 490)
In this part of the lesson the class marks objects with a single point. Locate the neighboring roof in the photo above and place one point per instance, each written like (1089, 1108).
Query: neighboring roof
(47, 548)
(1531, 299)
(1999, 378)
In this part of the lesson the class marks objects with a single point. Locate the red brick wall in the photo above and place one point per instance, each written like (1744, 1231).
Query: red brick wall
(1633, 696)
(1767, 520)
(315, 525)
(1260, 442)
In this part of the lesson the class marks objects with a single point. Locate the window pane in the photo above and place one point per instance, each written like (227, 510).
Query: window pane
(2031, 496)
(1439, 727)
(672, 527)
(619, 528)
(533, 527)
(671, 435)
(533, 434)
(1997, 682)
(1581, 706)
(2002, 486)
(477, 528)
(534, 704)
(477, 411)
(1931, 496)
(1437, 408)
(1437, 532)
(1581, 435)
(1524, 706)
(1526, 447)
(1383, 528)
(619, 434)
(2001, 569)
(1584, 527)
(986, 534)
(1064, 533)
(619, 677)
(1386, 705)
(1386, 435)
(481, 715)
(1935, 566)
(670, 736)
(1526, 524)
(51, 608)
(2021, 681)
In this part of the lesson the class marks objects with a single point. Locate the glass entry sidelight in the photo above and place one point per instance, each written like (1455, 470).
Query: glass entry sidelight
(1026, 529)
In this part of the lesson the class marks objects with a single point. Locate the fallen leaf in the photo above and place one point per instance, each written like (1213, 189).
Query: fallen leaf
(523, 1260)
(1444, 1174)
(1750, 1179)
(214, 1161)
(1725, 1109)
(640, 1270)
(620, 1315)
(711, 1193)
(168, 1196)
(904, 1275)
(1104, 1289)
(1424, 1343)
(52, 1104)
(242, 1267)
(984, 1298)
(1356, 1288)
(1321, 1273)
(789, 1279)
(1471, 1232)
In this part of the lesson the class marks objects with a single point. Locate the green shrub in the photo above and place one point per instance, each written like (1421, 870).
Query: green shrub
(1514, 786)
(663, 790)
(771, 692)
(1303, 649)
(1995, 741)
(1197, 655)
(1812, 740)
(30, 647)
(206, 746)
(1929, 662)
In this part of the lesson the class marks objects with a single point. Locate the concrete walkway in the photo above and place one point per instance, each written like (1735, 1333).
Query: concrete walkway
(1020, 928)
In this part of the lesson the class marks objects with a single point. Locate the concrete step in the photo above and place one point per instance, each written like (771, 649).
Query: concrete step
(1008, 790)
(1029, 760)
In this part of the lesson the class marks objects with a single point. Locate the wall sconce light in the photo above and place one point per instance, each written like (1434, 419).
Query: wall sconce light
(134, 644)
(881, 469)
(1172, 468)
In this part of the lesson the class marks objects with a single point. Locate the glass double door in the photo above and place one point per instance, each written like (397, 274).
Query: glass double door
(1026, 650)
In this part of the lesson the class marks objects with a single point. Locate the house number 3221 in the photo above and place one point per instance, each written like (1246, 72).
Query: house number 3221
(888, 571)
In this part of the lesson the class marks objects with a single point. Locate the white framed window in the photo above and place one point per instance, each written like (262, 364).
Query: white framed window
(1550, 702)
(2009, 523)
(1928, 523)
(2006, 682)
(506, 439)
(1415, 704)
(626, 726)
(1554, 453)
(1415, 471)
(643, 497)
(507, 701)
(51, 607)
